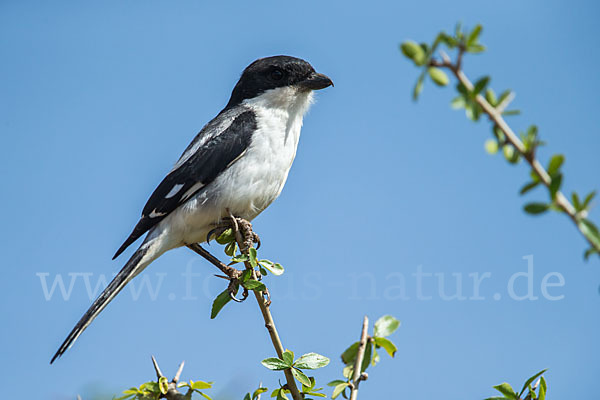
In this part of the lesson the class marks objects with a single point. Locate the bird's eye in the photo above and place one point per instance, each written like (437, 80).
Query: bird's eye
(276, 74)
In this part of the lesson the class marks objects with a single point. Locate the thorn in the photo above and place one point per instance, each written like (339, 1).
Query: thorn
(157, 368)
(178, 374)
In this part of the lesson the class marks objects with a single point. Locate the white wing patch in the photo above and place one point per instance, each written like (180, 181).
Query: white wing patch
(191, 191)
(174, 191)
(155, 214)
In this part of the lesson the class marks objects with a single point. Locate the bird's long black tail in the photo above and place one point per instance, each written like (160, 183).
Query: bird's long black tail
(134, 266)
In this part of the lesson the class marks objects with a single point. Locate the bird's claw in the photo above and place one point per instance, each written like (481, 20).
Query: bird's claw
(233, 288)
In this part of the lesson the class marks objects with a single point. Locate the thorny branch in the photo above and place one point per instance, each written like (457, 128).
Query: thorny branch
(245, 238)
(172, 392)
(495, 115)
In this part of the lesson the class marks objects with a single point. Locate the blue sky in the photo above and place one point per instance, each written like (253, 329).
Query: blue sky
(98, 100)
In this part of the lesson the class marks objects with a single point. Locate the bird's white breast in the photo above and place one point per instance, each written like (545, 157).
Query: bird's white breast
(256, 179)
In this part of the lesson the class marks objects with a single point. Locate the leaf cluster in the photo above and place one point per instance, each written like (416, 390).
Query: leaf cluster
(422, 54)
(156, 390)
(384, 327)
(473, 98)
(247, 281)
(535, 391)
(307, 361)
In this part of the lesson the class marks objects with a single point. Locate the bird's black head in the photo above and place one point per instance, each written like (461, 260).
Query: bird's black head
(274, 72)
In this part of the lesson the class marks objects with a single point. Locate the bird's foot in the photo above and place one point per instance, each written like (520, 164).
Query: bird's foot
(237, 224)
(249, 237)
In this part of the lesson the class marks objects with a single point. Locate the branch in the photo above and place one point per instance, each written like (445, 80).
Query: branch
(357, 376)
(241, 235)
(495, 115)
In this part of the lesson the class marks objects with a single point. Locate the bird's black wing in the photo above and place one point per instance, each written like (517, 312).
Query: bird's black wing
(194, 171)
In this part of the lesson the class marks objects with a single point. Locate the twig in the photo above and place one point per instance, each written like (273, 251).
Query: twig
(226, 269)
(357, 376)
(495, 115)
(262, 304)
(267, 317)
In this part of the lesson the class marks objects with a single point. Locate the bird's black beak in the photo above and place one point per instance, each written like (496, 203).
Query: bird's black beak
(316, 82)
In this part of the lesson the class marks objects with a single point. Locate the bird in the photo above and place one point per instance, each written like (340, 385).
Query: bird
(236, 165)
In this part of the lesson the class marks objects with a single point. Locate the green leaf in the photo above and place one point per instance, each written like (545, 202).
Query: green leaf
(438, 76)
(207, 397)
(555, 183)
(222, 299)
(127, 396)
(418, 86)
(555, 163)
(448, 40)
(247, 397)
(474, 35)
(528, 186)
(388, 346)
(281, 394)
(498, 133)
(230, 249)
(258, 392)
(239, 258)
(375, 359)
(510, 154)
(254, 285)
(473, 111)
(226, 237)
(506, 390)
(349, 355)
(275, 364)
(504, 95)
(543, 389)
(458, 102)
(385, 326)
(536, 208)
(588, 199)
(311, 361)
(300, 376)
(530, 380)
(491, 146)
(309, 388)
(275, 268)
(252, 256)
(413, 51)
(589, 252)
(481, 84)
(288, 357)
(462, 89)
(576, 202)
(163, 384)
(475, 48)
(490, 96)
(199, 385)
(590, 231)
(508, 113)
(246, 275)
(348, 371)
(339, 389)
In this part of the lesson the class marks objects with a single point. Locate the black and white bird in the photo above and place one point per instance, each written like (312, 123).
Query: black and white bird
(238, 162)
